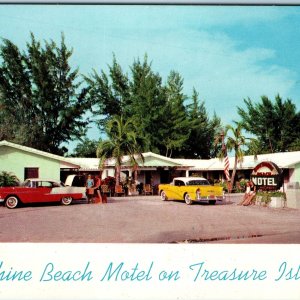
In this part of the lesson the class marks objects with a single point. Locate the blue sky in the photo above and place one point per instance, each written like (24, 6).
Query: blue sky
(227, 53)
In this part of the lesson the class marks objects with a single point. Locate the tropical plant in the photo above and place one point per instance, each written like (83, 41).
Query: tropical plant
(235, 141)
(8, 179)
(122, 141)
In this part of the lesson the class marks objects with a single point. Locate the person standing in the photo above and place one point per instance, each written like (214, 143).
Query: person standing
(89, 188)
(98, 190)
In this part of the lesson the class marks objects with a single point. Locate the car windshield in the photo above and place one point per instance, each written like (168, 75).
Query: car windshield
(198, 182)
(27, 183)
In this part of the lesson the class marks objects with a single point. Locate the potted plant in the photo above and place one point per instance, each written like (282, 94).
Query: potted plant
(270, 198)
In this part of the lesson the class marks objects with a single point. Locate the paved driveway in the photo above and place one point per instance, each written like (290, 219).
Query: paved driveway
(147, 219)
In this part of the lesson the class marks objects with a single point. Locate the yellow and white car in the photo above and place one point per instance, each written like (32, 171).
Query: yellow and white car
(191, 189)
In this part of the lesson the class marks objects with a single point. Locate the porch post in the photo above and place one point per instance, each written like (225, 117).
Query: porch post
(130, 172)
(187, 173)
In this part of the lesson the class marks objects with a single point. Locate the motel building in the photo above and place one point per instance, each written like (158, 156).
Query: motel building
(26, 162)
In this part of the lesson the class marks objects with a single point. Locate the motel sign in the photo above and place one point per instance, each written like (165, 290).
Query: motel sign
(267, 176)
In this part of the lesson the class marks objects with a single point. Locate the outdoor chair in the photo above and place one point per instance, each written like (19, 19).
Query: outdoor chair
(147, 189)
(105, 190)
(119, 190)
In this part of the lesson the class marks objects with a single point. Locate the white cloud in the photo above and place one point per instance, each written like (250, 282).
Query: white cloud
(192, 40)
(211, 61)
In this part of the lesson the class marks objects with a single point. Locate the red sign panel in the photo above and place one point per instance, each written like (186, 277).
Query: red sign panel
(267, 176)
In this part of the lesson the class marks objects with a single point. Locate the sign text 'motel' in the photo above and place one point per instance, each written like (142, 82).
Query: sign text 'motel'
(267, 176)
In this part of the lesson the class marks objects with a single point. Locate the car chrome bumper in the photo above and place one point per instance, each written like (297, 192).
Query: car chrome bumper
(209, 198)
(1, 200)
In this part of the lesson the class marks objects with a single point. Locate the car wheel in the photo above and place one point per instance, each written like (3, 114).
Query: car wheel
(163, 196)
(212, 202)
(66, 200)
(188, 199)
(11, 202)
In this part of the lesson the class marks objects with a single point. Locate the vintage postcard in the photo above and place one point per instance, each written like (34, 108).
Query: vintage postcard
(149, 150)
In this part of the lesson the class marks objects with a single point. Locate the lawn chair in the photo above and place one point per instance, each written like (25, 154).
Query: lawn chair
(132, 191)
(105, 190)
(119, 190)
(147, 189)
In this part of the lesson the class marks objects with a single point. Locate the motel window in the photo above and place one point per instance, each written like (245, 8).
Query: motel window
(31, 173)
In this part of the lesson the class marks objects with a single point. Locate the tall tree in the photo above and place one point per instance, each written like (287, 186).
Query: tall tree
(87, 148)
(109, 93)
(148, 105)
(177, 122)
(41, 96)
(200, 143)
(276, 124)
(122, 141)
(161, 110)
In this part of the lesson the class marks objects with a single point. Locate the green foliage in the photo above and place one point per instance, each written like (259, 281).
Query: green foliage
(200, 143)
(40, 96)
(8, 179)
(87, 148)
(177, 124)
(234, 140)
(122, 141)
(241, 186)
(166, 122)
(108, 93)
(148, 105)
(275, 124)
(224, 186)
(265, 196)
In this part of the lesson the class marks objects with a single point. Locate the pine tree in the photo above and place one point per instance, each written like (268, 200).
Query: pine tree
(148, 104)
(201, 142)
(275, 124)
(39, 93)
(178, 124)
(87, 148)
(168, 125)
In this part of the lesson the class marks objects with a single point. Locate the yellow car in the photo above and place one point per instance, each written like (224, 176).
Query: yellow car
(191, 189)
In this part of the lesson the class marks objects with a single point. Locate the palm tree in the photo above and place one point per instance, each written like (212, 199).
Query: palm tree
(122, 141)
(235, 142)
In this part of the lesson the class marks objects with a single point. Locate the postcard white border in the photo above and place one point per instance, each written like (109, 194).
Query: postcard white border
(168, 258)
(170, 271)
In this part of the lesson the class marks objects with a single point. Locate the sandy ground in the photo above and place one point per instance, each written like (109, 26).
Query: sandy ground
(147, 219)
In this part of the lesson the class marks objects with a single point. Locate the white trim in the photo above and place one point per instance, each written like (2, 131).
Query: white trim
(38, 152)
(286, 160)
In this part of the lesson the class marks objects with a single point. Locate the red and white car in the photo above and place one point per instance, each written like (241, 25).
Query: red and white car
(39, 190)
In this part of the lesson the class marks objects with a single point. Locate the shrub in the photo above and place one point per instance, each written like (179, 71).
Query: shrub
(8, 179)
(266, 196)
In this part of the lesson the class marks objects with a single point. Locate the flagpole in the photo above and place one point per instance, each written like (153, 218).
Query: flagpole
(226, 163)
